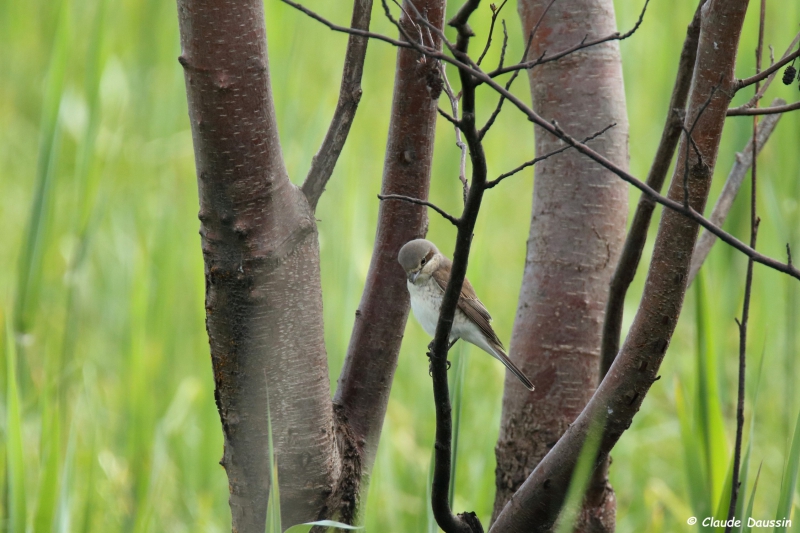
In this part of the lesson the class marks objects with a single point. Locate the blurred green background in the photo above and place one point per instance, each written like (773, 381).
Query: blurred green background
(110, 424)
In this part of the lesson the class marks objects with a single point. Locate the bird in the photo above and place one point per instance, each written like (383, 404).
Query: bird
(427, 272)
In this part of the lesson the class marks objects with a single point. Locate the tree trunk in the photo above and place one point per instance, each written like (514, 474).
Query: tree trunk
(576, 234)
(366, 379)
(536, 505)
(263, 293)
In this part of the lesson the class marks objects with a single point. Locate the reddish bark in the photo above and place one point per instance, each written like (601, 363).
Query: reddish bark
(536, 505)
(263, 293)
(366, 378)
(576, 233)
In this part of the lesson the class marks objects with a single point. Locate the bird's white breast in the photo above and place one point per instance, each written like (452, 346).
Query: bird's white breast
(425, 303)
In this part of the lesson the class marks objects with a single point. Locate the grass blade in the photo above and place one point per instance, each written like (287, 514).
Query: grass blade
(746, 517)
(456, 395)
(17, 511)
(692, 443)
(710, 421)
(580, 479)
(274, 502)
(789, 479)
(30, 266)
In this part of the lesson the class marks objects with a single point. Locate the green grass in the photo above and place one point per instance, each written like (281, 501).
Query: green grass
(109, 421)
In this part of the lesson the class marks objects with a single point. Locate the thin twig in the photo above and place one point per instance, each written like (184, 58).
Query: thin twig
(483, 77)
(482, 132)
(535, 160)
(585, 43)
(324, 161)
(748, 287)
(740, 84)
(462, 167)
(505, 45)
(770, 78)
(345, 29)
(452, 120)
(495, 13)
(772, 110)
(447, 216)
(694, 146)
(736, 176)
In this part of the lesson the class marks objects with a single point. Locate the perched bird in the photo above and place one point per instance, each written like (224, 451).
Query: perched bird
(428, 272)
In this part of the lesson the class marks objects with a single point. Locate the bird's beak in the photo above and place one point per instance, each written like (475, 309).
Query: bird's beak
(412, 276)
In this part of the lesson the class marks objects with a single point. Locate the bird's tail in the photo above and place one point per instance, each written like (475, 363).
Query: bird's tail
(503, 357)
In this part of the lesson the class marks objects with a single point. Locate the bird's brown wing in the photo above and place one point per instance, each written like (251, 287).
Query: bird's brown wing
(468, 301)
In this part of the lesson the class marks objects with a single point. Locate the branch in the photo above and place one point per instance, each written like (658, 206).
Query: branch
(748, 288)
(345, 29)
(323, 163)
(769, 79)
(447, 216)
(729, 191)
(614, 404)
(483, 77)
(616, 36)
(740, 84)
(482, 132)
(462, 167)
(467, 522)
(495, 13)
(772, 110)
(535, 160)
(365, 380)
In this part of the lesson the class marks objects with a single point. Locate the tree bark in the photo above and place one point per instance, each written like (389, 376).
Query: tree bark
(576, 233)
(536, 505)
(366, 378)
(263, 293)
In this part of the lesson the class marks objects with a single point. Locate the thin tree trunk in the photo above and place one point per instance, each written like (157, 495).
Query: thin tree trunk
(366, 379)
(263, 293)
(536, 505)
(576, 234)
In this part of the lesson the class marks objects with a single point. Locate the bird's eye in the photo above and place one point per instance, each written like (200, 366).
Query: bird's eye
(423, 262)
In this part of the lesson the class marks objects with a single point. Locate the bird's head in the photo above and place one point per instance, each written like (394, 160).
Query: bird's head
(419, 258)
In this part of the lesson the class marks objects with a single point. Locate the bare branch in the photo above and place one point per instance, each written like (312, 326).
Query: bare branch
(748, 287)
(761, 76)
(505, 45)
(447, 216)
(772, 110)
(729, 191)
(495, 13)
(637, 235)
(323, 163)
(535, 160)
(769, 79)
(585, 43)
(462, 167)
(482, 132)
(345, 29)
(481, 76)
(451, 120)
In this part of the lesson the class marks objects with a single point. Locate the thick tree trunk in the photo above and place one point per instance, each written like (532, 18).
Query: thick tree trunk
(536, 505)
(576, 233)
(263, 294)
(366, 378)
